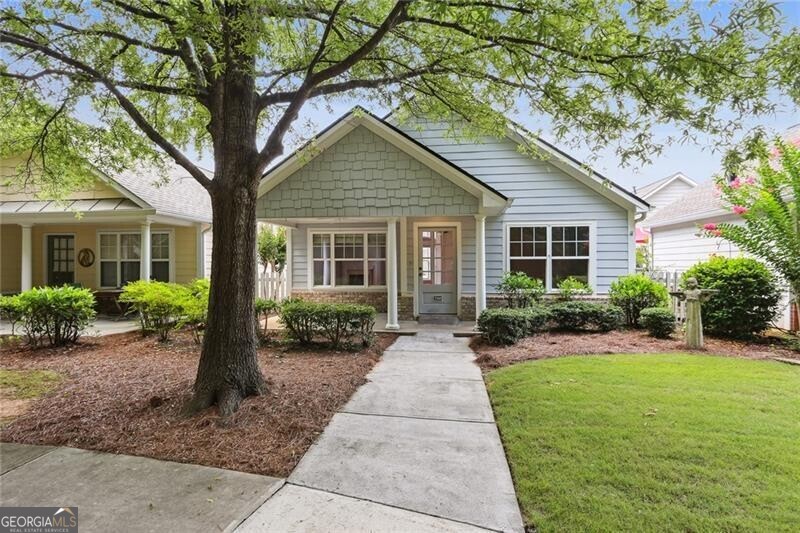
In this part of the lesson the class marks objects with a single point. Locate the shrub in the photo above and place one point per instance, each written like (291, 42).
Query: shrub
(571, 287)
(659, 321)
(194, 307)
(577, 316)
(264, 309)
(635, 292)
(508, 325)
(160, 305)
(519, 289)
(11, 310)
(337, 323)
(747, 300)
(57, 315)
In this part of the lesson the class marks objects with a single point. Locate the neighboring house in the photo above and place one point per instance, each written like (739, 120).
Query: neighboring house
(665, 191)
(415, 222)
(121, 228)
(678, 242)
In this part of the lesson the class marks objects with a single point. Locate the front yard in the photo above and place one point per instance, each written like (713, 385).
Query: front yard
(669, 442)
(124, 393)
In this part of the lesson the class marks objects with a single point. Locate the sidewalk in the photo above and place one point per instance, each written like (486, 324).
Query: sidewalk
(416, 448)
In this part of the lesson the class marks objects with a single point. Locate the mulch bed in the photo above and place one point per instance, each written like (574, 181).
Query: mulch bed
(548, 345)
(124, 394)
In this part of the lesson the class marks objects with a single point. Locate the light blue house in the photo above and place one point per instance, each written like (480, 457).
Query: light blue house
(413, 221)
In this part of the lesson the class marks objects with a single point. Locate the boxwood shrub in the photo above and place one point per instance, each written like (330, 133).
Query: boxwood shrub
(635, 292)
(339, 324)
(579, 316)
(160, 306)
(659, 321)
(747, 301)
(55, 315)
(508, 325)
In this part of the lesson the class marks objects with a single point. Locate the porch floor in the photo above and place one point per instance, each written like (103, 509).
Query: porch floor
(100, 327)
(407, 327)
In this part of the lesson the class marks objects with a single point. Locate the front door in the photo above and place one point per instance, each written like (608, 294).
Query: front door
(438, 279)
(60, 259)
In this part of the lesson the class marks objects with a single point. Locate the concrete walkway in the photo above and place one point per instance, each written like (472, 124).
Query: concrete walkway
(99, 328)
(415, 449)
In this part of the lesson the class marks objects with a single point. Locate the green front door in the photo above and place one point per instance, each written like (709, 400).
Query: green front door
(60, 259)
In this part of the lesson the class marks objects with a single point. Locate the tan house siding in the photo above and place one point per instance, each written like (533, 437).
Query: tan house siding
(15, 192)
(185, 254)
(10, 243)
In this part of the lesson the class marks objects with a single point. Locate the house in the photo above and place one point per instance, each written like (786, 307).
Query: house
(678, 242)
(416, 222)
(120, 228)
(665, 191)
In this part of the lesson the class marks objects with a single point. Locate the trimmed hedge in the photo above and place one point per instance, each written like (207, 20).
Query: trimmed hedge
(659, 321)
(11, 310)
(747, 301)
(580, 316)
(507, 326)
(635, 292)
(339, 324)
(56, 315)
(160, 305)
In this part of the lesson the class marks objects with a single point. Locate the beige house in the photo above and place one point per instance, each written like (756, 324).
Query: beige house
(139, 224)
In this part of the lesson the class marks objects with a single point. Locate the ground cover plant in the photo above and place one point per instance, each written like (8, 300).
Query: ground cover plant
(125, 393)
(670, 442)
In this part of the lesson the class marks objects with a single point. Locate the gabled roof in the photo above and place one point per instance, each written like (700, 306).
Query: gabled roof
(491, 200)
(701, 202)
(645, 191)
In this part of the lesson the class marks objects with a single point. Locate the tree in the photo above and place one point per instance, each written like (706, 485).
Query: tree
(272, 252)
(232, 76)
(768, 202)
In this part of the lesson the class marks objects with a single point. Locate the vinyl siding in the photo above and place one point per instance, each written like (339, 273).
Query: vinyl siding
(668, 194)
(541, 193)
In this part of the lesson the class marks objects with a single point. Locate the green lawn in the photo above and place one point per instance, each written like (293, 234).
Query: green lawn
(652, 442)
(26, 384)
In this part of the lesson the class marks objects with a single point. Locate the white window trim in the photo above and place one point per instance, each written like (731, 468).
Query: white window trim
(549, 257)
(131, 231)
(171, 259)
(443, 224)
(332, 232)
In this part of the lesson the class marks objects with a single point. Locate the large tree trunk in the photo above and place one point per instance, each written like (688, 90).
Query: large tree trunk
(228, 371)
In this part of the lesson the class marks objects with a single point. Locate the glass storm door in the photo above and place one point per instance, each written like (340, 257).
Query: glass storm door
(60, 259)
(437, 271)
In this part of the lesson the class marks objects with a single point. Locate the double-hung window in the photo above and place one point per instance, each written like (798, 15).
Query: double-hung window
(120, 257)
(550, 253)
(348, 259)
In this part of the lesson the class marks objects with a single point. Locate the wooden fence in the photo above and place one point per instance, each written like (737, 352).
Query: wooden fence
(272, 285)
(671, 280)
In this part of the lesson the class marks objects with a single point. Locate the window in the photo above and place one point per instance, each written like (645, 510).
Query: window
(348, 259)
(120, 258)
(550, 253)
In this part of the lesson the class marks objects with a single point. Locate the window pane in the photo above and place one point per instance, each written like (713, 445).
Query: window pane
(540, 249)
(516, 249)
(108, 246)
(348, 245)
(527, 234)
(541, 233)
(159, 245)
(129, 271)
(527, 249)
(558, 249)
(558, 233)
(535, 268)
(108, 273)
(349, 273)
(129, 246)
(583, 233)
(564, 268)
(377, 245)
(583, 248)
(322, 246)
(160, 271)
(515, 234)
(376, 272)
(322, 272)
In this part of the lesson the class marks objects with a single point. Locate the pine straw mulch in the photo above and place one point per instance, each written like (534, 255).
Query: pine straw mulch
(124, 394)
(557, 344)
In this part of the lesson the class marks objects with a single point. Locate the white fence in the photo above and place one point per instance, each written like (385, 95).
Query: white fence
(272, 285)
(671, 280)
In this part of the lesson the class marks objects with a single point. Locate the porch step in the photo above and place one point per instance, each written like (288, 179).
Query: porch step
(439, 320)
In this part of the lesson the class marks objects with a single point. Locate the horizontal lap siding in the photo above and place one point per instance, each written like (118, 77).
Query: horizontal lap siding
(679, 247)
(540, 193)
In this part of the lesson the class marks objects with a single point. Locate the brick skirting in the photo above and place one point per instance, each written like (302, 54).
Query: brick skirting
(377, 299)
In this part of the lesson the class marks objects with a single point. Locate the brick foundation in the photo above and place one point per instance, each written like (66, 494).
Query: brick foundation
(377, 299)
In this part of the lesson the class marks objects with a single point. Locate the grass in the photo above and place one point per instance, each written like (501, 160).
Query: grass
(669, 442)
(26, 384)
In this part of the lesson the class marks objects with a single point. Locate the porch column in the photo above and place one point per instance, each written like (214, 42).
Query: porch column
(480, 264)
(391, 274)
(144, 256)
(26, 259)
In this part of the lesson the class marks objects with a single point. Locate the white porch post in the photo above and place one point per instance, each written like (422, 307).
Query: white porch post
(144, 255)
(391, 274)
(26, 259)
(480, 264)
